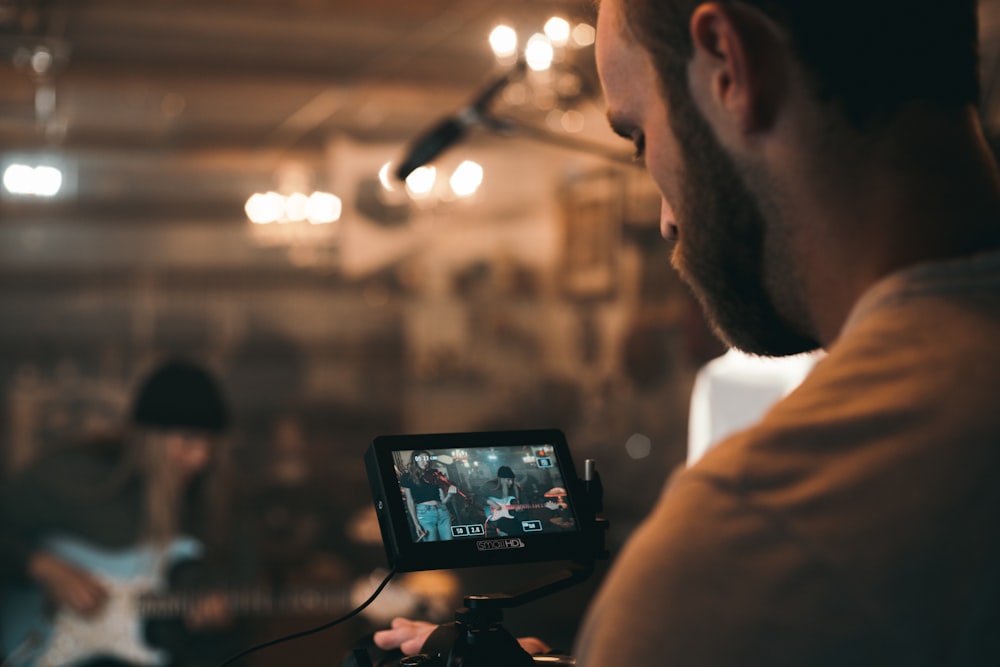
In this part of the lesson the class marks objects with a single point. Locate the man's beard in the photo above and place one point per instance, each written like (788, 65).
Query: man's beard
(721, 250)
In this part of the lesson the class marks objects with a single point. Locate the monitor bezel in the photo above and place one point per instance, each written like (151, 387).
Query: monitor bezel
(406, 555)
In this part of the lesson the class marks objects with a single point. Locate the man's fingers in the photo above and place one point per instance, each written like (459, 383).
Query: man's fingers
(413, 645)
(406, 635)
(533, 645)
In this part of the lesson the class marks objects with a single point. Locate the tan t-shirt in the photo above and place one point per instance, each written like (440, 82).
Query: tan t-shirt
(857, 523)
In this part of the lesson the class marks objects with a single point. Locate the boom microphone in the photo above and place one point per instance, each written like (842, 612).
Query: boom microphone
(452, 129)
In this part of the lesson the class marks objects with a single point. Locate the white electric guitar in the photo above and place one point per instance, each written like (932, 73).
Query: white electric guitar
(501, 508)
(32, 636)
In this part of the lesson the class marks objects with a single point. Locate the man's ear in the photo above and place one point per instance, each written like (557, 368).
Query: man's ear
(738, 72)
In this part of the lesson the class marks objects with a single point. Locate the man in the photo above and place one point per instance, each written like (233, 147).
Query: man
(826, 183)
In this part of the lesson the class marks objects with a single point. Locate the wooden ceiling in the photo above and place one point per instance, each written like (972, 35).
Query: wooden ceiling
(246, 74)
(159, 100)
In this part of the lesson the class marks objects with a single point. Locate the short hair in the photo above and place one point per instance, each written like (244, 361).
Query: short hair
(871, 57)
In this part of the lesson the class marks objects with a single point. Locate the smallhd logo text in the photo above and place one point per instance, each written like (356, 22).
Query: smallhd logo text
(497, 545)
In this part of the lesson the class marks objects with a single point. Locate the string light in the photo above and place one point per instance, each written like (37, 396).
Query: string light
(271, 207)
(421, 181)
(503, 41)
(538, 52)
(39, 181)
(583, 34)
(466, 179)
(557, 30)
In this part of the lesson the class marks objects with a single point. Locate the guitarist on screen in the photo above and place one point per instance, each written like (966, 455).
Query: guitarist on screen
(504, 507)
(82, 521)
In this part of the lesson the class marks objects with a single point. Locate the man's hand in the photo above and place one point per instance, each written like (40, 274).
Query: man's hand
(66, 584)
(409, 637)
(406, 635)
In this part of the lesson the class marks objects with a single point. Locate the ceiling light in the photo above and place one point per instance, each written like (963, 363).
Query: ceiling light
(503, 41)
(466, 179)
(421, 181)
(583, 34)
(40, 181)
(385, 179)
(539, 52)
(324, 208)
(263, 208)
(295, 207)
(557, 30)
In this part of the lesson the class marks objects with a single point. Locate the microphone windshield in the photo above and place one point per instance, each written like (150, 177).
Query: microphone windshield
(431, 144)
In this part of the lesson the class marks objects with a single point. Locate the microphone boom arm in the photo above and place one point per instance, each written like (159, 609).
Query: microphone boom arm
(452, 129)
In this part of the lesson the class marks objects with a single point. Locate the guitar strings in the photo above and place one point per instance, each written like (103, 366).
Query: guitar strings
(312, 631)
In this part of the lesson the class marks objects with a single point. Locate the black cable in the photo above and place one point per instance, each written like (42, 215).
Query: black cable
(312, 631)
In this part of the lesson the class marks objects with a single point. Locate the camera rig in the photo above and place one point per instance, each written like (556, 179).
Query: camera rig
(477, 638)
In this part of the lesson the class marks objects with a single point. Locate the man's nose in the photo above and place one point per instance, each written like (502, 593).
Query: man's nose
(668, 223)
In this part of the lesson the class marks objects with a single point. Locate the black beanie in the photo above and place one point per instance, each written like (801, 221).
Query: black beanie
(180, 395)
(505, 471)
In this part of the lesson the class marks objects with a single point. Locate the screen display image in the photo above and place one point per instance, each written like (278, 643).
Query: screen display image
(483, 492)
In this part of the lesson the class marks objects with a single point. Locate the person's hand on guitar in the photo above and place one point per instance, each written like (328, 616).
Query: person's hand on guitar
(500, 508)
(68, 585)
(211, 612)
(409, 637)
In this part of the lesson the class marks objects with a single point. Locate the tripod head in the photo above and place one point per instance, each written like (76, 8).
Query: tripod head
(476, 638)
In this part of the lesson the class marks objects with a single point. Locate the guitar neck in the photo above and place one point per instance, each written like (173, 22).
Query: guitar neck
(254, 602)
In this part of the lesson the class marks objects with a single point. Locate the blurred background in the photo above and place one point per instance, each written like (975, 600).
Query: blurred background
(215, 178)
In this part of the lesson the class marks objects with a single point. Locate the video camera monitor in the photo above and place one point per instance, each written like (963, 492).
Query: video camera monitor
(472, 499)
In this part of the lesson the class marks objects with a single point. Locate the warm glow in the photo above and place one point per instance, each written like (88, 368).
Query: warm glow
(41, 181)
(421, 181)
(19, 179)
(539, 52)
(295, 207)
(557, 30)
(466, 179)
(48, 180)
(503, 41)
(583, 34)
(319, 208)
(324, 208)
(262, 208)
(385, 179)
(41, 60)
(572, 121)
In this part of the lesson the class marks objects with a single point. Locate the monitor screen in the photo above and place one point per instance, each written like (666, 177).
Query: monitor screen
(467, 499)
(500, 491)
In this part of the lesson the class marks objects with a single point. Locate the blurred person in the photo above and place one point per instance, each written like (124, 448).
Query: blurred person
(425, 498)
(826, 183)
(88, 528)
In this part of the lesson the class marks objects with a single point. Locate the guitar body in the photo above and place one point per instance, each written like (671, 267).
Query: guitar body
(508, 505)
(502, 512)
(33, 636)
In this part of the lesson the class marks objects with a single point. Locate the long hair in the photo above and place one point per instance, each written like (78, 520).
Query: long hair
(170, 507)
(416, 474)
